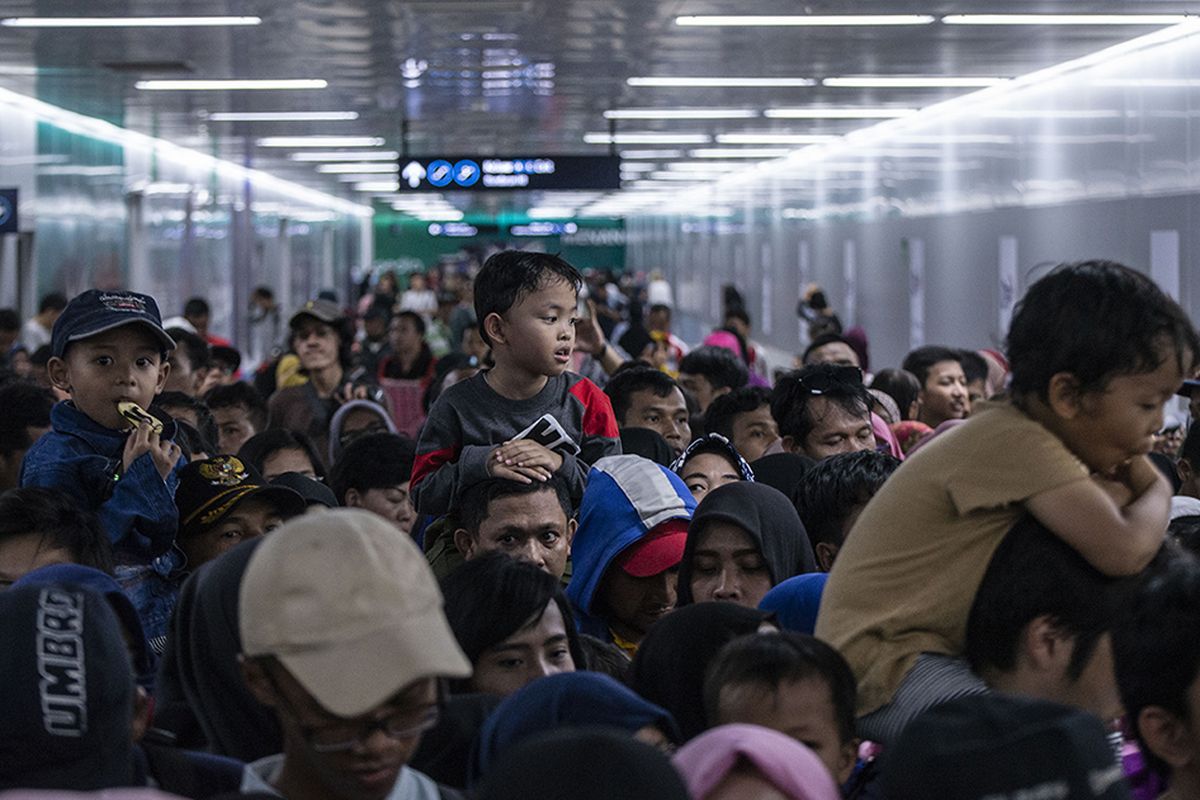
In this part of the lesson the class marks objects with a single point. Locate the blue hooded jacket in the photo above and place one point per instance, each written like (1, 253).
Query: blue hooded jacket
(626, 497)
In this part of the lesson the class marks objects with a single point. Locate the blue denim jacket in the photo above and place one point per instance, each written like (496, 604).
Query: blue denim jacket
(82, 458)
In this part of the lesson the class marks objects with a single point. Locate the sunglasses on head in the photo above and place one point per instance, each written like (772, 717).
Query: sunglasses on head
(829, 376)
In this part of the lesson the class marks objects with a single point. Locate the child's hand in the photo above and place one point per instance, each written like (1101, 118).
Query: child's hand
(525, 458)
(1139, 474)
(142, 440)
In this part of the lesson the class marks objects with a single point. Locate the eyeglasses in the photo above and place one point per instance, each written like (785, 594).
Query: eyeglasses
(830, 376)
(341, 737)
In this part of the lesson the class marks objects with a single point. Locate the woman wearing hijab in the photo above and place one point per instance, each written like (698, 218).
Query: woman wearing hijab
(574, 699)
(583, 765)
(670, 666)
(737, 761)
(744, 538)
(709, 462)
(200, 672)
(796, 601)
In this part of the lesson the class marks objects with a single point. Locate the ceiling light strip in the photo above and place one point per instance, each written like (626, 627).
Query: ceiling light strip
(803, 20)
(128, 22)
(169, 151)
(230, 84)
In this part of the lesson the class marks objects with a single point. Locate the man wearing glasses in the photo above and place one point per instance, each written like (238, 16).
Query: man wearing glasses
(823, 410)
(343, 635)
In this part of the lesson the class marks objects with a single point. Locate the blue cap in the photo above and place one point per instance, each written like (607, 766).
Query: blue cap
(96, 311)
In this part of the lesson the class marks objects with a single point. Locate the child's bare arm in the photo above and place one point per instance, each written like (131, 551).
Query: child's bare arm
(1115, 539)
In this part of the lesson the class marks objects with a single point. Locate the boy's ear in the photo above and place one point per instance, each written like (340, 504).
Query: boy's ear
(56, 368)
(1043, 646)
(789, 444)
(826, 552)
(164, 369)
(572, 526)
(493, 325)
(352, 499)
(1063, 395)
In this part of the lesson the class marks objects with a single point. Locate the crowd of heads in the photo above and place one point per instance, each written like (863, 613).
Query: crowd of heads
(497, 531)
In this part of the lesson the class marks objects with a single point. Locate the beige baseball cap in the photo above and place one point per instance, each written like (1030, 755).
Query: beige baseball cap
(348, 604)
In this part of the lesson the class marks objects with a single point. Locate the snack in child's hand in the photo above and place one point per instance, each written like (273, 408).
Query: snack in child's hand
(136, 415)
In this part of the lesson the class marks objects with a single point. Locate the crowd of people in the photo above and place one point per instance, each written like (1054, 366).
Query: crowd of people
(502, 533)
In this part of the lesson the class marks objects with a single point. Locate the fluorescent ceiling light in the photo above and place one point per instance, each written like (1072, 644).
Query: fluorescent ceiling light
(320, 141)
(282, 116)
(128, 22)
(1064, 19)
(647, 138)
(654, 154)
(360, 177)
(829, 112)
(911, 82)
(378, 187)
(739, 152)
(722, 82)
(550, 212)
(681, 113)
(340, 169)
(773, 138)
(704, 166)
(813, 20)
(637, 166)
(685, 176)
(346, 155)
(232, 84)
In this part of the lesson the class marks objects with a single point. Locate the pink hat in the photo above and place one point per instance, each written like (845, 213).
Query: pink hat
(791, 767)
(726, 340)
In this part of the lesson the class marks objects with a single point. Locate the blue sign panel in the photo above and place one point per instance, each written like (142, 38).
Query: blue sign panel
(8, 210)
(488, 173)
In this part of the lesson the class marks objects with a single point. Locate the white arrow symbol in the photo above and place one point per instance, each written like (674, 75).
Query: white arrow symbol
(414, 173)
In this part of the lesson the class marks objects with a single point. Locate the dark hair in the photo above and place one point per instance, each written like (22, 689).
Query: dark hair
(921, 360)
(10, 320)
(26, 405)
(264, 292)
(634, 377)
(1095, 320)
(824, 339)
(489, 598)
(790, 398)
(833, 487)
(61, 522)
(721, 367)
(475, 502)
(1186, 532)
(239, 394)
(416, 319)
(901, 385)
(1189, 451)
(195, 347)
(770, 659)
(375, 461)
(739, 313)
(261, 446)
(206, 426)
(1034, 573)
(191, 442)
(196, 307)
(510, 275)
(660, 308)
(54, 301)
(974, 365)
(722, 410)
(604, 657)
(1155, 648)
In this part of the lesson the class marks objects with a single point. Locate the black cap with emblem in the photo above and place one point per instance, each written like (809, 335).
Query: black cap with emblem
(211, 489)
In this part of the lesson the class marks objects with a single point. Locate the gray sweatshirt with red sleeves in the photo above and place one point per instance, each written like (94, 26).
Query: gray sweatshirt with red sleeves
(570, 416)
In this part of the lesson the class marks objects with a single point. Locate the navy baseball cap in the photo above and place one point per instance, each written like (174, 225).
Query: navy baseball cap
(96, 311)
(1188, 387)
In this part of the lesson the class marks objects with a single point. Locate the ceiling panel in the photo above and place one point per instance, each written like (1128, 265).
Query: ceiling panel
(497, 76)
